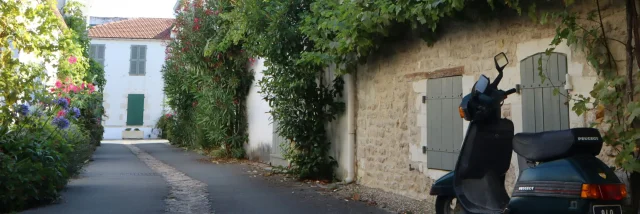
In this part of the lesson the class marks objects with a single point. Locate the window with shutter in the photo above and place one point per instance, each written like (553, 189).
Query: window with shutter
(444, 125)
(138, 60)
(96, 52)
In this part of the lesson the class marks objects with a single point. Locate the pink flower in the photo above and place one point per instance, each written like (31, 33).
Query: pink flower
(82, 86)
(74, 88)
(58, 84)
(62, 113)
(73, 59)
(91, 88)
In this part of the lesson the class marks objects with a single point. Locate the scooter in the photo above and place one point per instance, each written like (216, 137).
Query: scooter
(565, 176)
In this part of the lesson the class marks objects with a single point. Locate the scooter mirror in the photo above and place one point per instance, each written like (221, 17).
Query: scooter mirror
(501, 61)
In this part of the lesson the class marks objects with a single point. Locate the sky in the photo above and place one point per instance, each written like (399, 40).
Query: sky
(132, 8)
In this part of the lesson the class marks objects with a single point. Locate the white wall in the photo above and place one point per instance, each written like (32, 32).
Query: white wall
(337, 130)
(260, 127)
(120, 84)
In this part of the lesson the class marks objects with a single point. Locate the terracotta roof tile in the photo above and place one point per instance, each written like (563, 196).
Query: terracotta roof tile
(136, 28)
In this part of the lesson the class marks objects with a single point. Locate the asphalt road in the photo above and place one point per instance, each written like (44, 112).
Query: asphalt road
(115, 182)
(118, 182)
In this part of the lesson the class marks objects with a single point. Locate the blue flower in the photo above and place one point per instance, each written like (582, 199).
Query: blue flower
(76, 112)
(63, 102)
(60, 122)
(23, 109)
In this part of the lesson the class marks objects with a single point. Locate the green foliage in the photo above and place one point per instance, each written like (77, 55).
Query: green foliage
(43, 143)
(207, 88)
(299, 40)
(39, 155)
(615, 111)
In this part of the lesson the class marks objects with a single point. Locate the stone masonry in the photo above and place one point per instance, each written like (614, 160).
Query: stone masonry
(391, 117)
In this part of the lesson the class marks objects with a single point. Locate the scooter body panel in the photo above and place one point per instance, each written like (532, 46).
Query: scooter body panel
(555, 186)
(443, 186)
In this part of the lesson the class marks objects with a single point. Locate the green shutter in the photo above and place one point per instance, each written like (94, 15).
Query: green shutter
(135, 109)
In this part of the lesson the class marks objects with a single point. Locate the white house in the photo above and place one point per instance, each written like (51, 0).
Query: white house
(132, 52)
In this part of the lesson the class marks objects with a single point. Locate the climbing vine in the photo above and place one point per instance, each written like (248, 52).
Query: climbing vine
(614, 95)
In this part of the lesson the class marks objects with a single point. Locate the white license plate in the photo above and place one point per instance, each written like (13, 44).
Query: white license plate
(607, 209)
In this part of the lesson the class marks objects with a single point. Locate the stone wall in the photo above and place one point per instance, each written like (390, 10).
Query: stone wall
(391, 118)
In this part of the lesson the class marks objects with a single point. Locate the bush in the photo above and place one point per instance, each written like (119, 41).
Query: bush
(36, 159)
(165, 124)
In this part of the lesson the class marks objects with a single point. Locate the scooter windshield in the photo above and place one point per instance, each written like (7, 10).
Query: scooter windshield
(481, 84)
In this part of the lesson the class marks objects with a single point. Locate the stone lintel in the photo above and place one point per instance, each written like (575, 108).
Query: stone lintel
(447, 72)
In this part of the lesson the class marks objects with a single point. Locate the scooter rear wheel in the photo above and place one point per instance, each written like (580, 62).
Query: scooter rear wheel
(448, 205)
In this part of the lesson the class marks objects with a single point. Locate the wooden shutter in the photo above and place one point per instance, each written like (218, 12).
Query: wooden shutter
(96, 52)
(138, 60)
(142, 59)
(135, 109)
(444, 125)
(100, 54)
(541, 110)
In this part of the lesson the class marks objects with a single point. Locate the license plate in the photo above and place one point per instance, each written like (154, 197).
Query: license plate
(607, 209)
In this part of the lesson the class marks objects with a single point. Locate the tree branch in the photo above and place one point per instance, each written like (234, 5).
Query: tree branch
(636, 36)
(630, 23)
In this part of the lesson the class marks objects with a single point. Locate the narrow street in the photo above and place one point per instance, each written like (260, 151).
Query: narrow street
(155, 177)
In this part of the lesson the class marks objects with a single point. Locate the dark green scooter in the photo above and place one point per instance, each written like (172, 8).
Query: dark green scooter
(565, 176)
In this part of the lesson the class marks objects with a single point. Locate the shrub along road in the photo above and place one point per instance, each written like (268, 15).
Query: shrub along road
(171, 180)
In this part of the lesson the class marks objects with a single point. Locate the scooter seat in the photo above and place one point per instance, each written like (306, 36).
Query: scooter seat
(554, 145)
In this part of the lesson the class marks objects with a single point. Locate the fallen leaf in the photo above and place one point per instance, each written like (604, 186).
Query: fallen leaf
(356, 197)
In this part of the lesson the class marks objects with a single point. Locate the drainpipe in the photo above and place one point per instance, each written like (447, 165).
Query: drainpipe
(349, 79)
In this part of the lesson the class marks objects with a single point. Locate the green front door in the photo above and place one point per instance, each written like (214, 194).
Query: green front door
(135, 109)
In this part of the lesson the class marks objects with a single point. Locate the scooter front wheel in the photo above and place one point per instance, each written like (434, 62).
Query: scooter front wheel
(448, 205)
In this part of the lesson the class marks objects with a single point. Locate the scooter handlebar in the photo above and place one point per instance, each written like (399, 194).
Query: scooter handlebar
(510, 91)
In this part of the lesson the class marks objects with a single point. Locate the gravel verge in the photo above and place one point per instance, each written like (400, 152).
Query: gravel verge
(356, 193)
(186, 195)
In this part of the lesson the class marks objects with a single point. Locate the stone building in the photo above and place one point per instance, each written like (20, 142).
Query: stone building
(406, 102)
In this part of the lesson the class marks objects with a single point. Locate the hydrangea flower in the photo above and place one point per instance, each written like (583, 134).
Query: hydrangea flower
(63, 102)
(23, 109)
(37, 112)
(76, 112)
(60, 122)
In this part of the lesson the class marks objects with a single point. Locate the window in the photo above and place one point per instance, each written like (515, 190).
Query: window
(137, 65)
(444, 125)
(96, 52)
